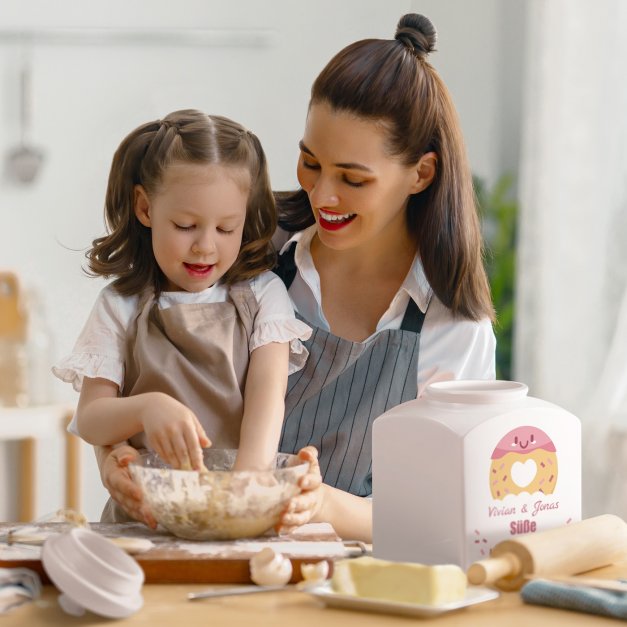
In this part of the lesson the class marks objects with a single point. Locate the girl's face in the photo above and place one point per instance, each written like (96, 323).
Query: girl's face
(197, 218)
(358, 192)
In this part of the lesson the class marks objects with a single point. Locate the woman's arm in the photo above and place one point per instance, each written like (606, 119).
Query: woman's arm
(264, 406)
(350, 515)
(172, 430)
(454, 348)
(113, 463)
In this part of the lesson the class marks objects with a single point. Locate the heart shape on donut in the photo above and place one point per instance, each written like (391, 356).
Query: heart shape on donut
(524, 473)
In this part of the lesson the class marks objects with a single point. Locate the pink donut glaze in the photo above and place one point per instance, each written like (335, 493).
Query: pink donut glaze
(523, 440)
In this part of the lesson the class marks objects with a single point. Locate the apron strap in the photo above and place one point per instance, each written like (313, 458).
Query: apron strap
(413, 318)
(286, 266)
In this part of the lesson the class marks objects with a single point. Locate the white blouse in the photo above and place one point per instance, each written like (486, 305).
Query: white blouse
(100, 349)
(450, 347)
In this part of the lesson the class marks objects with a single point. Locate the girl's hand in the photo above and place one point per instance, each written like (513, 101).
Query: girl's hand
(305, 506)
(173, 432)
(117, 479)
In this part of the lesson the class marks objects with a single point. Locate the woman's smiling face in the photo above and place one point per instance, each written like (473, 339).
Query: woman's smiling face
(358, 192)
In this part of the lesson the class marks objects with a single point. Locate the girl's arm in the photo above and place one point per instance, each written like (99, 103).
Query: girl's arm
(350, 515)
(264, 406)
(102, 417)
(172, 430)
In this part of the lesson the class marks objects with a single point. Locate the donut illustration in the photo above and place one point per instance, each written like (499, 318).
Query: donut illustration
(523, 461)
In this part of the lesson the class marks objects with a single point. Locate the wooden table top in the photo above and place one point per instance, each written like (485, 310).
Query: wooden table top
(168, 605)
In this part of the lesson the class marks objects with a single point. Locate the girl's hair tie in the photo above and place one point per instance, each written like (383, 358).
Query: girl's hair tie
(167, 124)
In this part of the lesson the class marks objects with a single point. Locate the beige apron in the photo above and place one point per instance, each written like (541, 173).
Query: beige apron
(198, 354)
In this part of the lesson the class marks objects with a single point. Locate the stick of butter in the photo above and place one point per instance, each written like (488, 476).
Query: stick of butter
(399, 581)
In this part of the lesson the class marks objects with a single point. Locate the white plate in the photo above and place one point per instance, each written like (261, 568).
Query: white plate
(324, 592)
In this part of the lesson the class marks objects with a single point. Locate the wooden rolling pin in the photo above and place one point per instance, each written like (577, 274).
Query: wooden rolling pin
(569, 550)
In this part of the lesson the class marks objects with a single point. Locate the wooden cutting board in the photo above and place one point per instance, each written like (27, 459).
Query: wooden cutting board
(174, 560)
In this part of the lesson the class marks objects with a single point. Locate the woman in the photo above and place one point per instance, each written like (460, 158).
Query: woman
(385, 264)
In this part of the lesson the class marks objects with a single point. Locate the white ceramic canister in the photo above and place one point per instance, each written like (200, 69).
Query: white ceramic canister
(467, 465)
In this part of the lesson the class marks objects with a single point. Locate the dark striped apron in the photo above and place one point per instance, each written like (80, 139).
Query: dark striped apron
(332, 402)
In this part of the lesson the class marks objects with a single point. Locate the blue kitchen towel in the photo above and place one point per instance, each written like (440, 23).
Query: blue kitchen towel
(17, 586)
(577, 598)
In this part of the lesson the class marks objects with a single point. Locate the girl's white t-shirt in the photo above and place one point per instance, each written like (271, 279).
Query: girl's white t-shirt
(100, 349)
(450, 347)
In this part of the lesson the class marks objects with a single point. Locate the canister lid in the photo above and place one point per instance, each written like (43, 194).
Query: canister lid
(476, 391)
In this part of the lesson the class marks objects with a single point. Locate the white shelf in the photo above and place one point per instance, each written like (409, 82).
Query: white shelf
(41, 421)
(183, 37)
(27, 425)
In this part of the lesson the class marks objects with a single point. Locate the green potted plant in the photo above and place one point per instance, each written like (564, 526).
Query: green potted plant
(498, 209)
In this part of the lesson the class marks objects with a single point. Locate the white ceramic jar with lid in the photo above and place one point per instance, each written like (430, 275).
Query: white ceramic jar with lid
(467, 465)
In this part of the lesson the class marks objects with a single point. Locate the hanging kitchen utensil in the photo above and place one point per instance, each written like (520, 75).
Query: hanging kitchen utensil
(24, 161)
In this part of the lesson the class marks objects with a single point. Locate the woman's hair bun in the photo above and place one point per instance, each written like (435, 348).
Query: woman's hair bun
(417, 33)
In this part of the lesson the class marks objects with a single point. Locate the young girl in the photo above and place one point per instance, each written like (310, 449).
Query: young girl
(189, 345)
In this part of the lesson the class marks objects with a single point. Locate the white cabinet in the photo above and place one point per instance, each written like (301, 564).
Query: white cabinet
(27, 425)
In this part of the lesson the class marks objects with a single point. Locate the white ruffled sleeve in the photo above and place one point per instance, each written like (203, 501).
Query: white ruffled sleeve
(275, 320)
(100, 348)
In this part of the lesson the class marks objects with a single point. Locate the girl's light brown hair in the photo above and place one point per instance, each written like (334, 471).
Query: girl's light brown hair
(391, 82)
(187, 136)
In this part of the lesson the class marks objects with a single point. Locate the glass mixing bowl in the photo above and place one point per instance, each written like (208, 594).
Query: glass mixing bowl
(220, 504)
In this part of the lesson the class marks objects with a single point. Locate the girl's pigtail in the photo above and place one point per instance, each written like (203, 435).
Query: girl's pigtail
(257, 252)
(126, 251)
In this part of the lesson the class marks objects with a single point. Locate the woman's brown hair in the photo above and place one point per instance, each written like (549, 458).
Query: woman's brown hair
(390, 81)
(187, 136)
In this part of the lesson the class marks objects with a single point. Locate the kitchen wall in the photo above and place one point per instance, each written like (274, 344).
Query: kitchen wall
(88, 94)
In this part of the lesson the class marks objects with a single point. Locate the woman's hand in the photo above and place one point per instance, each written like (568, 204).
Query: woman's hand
(307, 505)
(117, 479)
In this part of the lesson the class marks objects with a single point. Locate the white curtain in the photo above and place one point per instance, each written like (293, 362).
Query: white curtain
(571, 330)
